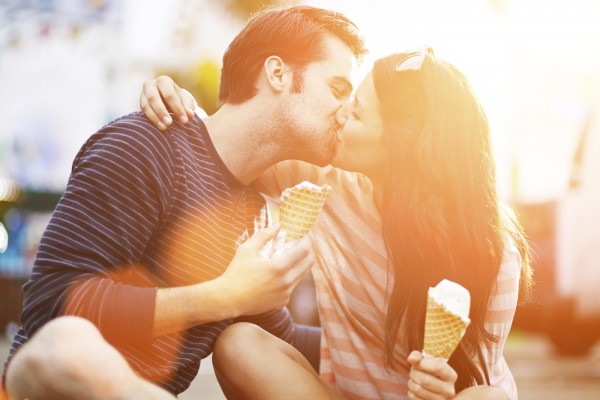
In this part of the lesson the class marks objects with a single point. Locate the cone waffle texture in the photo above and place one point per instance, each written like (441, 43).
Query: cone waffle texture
(443, 330)
(300, 207)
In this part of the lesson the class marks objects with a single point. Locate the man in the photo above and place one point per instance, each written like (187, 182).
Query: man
(145, 242)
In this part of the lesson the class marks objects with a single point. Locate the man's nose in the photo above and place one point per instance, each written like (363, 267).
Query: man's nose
(342, 114)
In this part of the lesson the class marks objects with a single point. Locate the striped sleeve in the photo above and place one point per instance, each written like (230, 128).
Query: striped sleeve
(115, 198)
(499, 317)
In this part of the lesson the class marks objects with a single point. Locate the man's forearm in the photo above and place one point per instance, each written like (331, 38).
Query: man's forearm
(184, 307)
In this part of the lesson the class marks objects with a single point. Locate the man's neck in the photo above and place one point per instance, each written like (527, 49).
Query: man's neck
(240, 136)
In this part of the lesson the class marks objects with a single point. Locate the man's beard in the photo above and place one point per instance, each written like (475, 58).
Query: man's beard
(311, 149)
(298, 136)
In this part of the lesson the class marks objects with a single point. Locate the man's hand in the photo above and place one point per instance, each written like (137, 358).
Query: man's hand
(161, 95)
(255, 284)
(430, 378)
(250, 285)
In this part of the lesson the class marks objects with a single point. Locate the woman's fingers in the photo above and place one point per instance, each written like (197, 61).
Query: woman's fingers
(430, 378)
(161, 98)
(152, 106)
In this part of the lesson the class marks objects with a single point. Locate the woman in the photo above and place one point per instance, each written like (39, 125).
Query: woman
(414, 202)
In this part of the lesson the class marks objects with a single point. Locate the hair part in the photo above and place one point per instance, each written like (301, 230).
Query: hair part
(441, 214)
(295, 34)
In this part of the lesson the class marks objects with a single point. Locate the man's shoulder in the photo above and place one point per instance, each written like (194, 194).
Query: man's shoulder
(138, 127)
(133, 139)
(134, 124)
(127, 138)
(136, 130)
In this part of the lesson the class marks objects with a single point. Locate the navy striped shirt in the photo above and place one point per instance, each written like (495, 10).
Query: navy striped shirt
(143, 210)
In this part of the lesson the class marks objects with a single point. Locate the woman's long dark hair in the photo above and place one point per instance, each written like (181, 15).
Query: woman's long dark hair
(440, 210)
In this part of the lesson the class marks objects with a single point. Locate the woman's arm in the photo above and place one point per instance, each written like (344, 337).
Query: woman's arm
(498, 321)
(499, 317)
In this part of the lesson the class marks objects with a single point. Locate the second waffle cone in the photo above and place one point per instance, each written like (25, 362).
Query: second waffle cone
(443, 330)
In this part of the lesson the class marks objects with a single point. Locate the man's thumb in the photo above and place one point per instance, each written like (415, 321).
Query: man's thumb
(262, 236)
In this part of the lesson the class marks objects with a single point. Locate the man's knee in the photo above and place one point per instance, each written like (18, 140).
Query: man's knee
(67, 355)
(67, 336)
(59, 344)
(68, 327)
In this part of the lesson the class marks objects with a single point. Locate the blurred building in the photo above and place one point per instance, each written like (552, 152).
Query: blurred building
(67, 67)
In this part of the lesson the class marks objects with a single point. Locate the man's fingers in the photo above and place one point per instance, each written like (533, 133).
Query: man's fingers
(299, 251)
(300, 268)
(261, 237)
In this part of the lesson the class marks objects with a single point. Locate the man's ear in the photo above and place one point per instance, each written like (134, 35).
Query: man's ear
(277, 73)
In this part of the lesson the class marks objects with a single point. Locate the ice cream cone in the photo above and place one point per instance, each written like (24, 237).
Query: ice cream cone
(300, 207)
(444, 326)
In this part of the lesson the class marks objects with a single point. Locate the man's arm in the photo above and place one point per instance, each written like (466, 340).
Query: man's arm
(251, 285)
(88, 262)
(89, 259)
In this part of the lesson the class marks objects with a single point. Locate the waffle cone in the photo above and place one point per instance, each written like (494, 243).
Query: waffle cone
(300, 208)
(443, 330)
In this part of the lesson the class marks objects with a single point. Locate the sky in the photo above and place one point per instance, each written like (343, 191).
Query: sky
(534, 64)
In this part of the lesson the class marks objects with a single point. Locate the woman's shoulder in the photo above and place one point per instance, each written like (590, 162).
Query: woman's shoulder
(351, 182)
(510, 266)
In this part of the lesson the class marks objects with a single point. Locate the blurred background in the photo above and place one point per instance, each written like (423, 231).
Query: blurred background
(67, 67)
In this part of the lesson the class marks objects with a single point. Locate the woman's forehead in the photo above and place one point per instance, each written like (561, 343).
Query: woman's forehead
(365, 94)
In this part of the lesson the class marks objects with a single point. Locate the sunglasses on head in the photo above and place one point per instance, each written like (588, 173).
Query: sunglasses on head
(413, 61)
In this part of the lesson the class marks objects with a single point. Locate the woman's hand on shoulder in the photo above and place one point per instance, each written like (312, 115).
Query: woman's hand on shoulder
(430, 378)
(161, 95)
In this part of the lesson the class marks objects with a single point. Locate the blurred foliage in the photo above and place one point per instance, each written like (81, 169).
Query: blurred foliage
(202, 81)
(245, 8)
(204, 85)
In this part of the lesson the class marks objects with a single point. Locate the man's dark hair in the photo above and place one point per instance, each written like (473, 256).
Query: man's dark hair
(295, 34)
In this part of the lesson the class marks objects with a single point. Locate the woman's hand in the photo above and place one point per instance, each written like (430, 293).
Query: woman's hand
(430, 378)
(161, 95)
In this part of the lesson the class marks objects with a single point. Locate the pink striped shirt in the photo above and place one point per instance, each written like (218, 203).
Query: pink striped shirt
(351, 280)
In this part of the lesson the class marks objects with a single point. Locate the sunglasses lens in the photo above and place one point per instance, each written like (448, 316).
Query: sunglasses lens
(411, 63)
